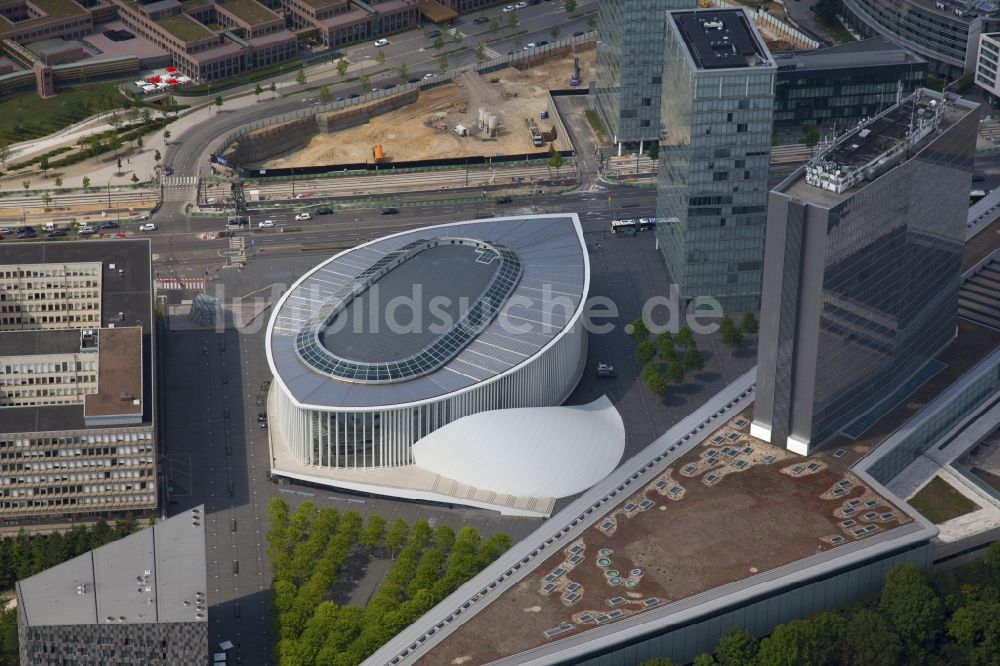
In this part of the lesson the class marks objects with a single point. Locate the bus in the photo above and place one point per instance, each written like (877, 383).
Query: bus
(630, 227)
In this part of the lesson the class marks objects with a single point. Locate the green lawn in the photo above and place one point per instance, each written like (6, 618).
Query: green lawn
(595, 123)
(184, 28)
(250, 11)
(939, 502)
(28, 116)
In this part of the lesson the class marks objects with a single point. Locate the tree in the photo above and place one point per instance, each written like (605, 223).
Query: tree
(325, 96)
(810, 136)
(911, 607)
(342, 67)
(135, 179)
(693, 360)
(157, 156)
(59, 182)
(374, 532)
(219, 102)
(675, 372)
(86, 182)
(665, 345)
(396, 535)
(658, 661)
(570, 6)
(456, 37)
(737, 647)
(380, 56)
(119, 165)
(554, 31)
(257, 90)
(300, 77)
(518, 43)
(365, 83)
(43, 164)
(273, 87)
(494, 26)
(555, 158)
(868, 639)
(645, 352)
(47, 200)
(404, 74)
(684, 337)
(703, 659)
(653, 151)
(512, 20)
(438, 43)
(166, 136)
(26, 184)
(639, 331)
(480, 51)
(115, 121)
(442, 62)
(655, 380)
(749, 324)
(729, 335)
(790, 644)
(139, 142)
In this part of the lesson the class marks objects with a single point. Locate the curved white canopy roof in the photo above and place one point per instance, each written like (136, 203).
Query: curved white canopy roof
(533, 452)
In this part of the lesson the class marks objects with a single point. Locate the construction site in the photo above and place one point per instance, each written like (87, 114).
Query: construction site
(506, 112)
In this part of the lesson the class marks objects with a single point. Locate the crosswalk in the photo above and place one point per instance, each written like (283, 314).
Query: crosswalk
(180, 284)
(180, 182)
(491, 54)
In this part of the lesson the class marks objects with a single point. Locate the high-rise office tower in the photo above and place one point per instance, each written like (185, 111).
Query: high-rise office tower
(629, 67)
(716, 108)
(864, 249)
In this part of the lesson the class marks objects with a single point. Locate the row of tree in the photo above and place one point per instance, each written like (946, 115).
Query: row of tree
(308, 549)
(945, 620)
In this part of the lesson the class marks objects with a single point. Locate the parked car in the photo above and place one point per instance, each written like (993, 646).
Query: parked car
(6, 230)
(168, 170)
(57, 233)
(109, 225)
(534, 2)
(521, 5)
(340, 98)
(354, 95)
(86, 230)
(261, 416)
(508, 9)
(529, 45)
(389, 87)
(302, 217)
(325, 210)
(27, 234)
(433, 33)
(388, 211)
(504, 200)
(606, 371)
(429, 75)
(379, 43)
(481, 20)
(265, 224)
(542, 42)
(148, 226)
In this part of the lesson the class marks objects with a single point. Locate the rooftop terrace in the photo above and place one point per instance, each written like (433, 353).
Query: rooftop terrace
(711, 518)
(720, 39)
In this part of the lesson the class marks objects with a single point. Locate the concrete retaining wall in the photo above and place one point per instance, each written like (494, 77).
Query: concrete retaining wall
(341, 119)
(269, 142)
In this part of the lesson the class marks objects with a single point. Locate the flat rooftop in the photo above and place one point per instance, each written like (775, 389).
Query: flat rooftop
(184, 28)
(250, 11)
(158, 574)
(713, 517)
(119, 373)
(874, 52)
(720, 38)
(36, 343)
(893, 137)
(449, 273)
(126, 280)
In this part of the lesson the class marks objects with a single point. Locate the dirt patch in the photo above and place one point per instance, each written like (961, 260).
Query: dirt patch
(425, 129)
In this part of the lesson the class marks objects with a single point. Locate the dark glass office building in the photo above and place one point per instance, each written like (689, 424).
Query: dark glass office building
(715, 111)
(838, 87)
(862, 266)
(630, 66)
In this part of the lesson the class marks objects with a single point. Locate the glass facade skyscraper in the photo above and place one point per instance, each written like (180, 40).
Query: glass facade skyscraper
(862, 268)
(630, 64)
(716, 111)
(838, 87)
